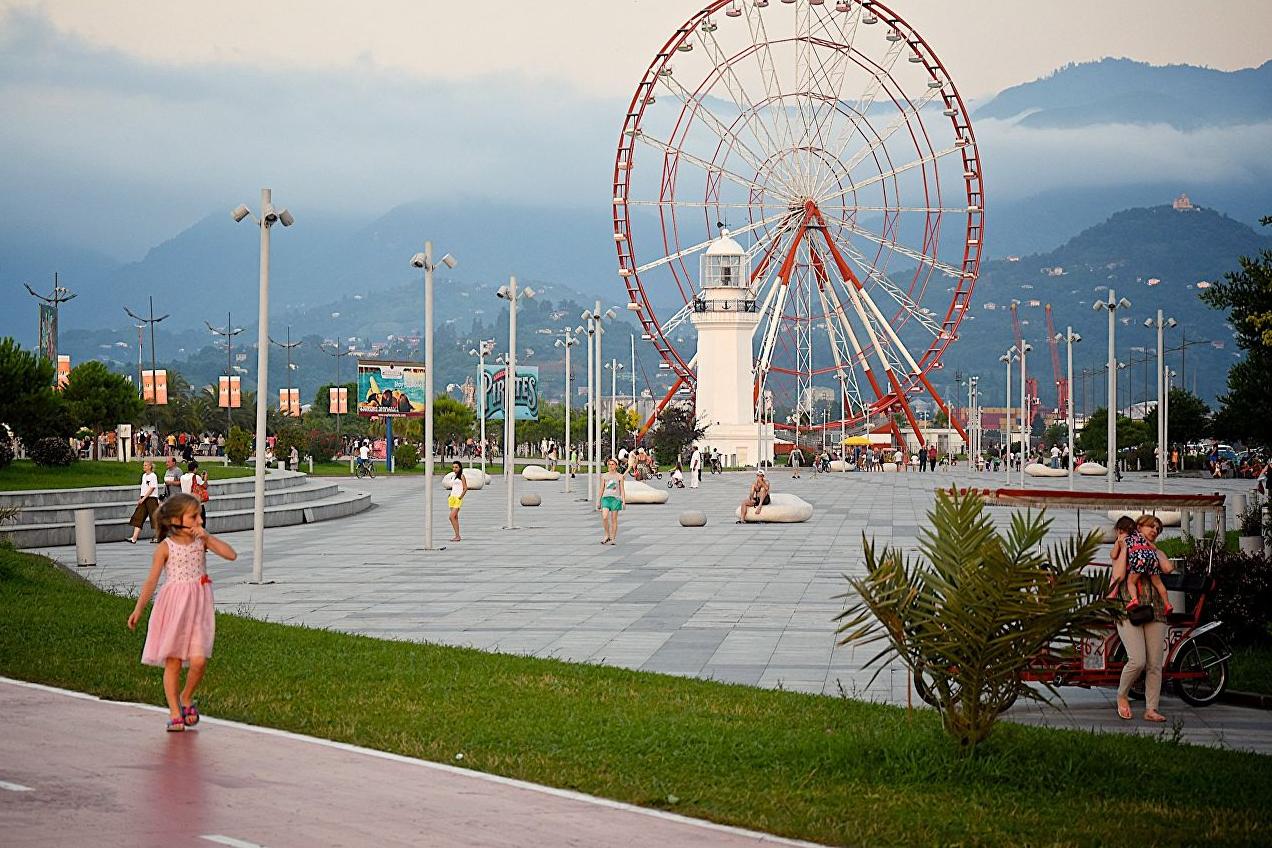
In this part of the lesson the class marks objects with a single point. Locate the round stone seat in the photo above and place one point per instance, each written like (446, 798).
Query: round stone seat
(784, 508)
(1037, 469)
(839, 465)
(531, 500)
(476, 478)
(693, 518)
(643, 493)
(538, 473)
(1168, 517)
(1092, 469)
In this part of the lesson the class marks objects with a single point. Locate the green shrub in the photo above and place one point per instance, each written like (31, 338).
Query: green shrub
(324, 445)
(288, 438)
(52, 451)
(238, 447)
(6, 452)
(406, 457)
(1242, 599)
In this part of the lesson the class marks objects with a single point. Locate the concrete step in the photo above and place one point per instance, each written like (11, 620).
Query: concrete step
(339, 505)
(309, 490)
(276, 479)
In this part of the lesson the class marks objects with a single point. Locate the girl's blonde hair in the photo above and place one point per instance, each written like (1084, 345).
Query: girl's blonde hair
(173, 508)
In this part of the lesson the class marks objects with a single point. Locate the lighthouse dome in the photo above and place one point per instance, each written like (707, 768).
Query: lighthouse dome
(725, 246)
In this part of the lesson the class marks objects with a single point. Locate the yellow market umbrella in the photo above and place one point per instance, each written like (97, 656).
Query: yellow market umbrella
(857, 440)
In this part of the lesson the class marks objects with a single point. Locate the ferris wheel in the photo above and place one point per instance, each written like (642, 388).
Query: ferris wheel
(831, 142)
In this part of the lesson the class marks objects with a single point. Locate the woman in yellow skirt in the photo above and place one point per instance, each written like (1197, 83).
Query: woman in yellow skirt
(458, 488)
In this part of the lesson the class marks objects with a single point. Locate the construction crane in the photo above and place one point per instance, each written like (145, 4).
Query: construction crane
(1031, 383)
(1062, 382)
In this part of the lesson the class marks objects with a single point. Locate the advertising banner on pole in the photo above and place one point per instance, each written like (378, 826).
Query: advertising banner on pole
(154, 387)
(338, 400)
(63, 370)
(525, 386)
(289, 402)
(390, 388)
(229, 393)
(48, 332)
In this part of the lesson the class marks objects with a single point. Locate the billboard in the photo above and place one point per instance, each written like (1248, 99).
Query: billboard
(289, 402)
(63, 370)
(390, 388)
(48, 332)
(229, 393)
(154, 387)
(337, 400)
(525, 391)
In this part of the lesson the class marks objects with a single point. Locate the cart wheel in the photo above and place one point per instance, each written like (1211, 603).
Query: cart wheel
(1205, 657)
(926, 693)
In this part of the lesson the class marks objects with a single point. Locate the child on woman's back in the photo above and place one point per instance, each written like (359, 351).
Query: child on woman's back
(182, 624)
(1134, 557)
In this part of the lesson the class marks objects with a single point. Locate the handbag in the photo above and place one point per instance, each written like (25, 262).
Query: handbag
(1141, 614)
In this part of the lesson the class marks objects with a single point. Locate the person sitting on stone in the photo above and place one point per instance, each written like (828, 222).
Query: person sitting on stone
(757, 498)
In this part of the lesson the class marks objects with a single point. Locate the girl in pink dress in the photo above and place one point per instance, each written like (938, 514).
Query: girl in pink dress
(182, 623)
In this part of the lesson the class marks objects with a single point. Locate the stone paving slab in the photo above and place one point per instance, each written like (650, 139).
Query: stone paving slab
(751, 604)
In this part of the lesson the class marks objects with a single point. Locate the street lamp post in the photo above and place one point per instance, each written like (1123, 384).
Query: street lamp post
(1165, 413)
(483, 349)
(229, 332)
(1070, 338)
(154, 358)
(567, 341)
(614, 367)
(269, 217)
(287, 346)
(596, 329)
(1111, 306)
(510, 294)
(1008, 358)
(1023, 349)
(425, 260)
(339, 353)
(1161, 323)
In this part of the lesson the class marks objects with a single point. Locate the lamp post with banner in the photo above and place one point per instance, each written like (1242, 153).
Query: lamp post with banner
(292, 407)
(154, 359)
(513, 296)
(484, 348)
(567, 341)
(229, 333)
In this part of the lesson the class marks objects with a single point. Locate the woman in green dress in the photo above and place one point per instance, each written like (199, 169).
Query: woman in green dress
(612, 499)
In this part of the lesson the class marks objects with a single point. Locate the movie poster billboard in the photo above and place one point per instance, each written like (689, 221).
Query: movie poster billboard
(154, 387)
(390, 388)
(337, 400)
(525, 392)
(48, 332)
(229, 393)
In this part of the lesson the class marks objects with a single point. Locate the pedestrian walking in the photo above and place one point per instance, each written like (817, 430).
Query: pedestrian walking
(171, 476)
(612, 499)
(182, 624)
(932, 457)
(147, 502)
(458, 488)
(922, 459)
(796, 460)
(695, 467)
(195, 482)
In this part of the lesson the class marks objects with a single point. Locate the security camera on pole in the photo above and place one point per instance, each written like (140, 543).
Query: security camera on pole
(510, 294)
(1161, 324)
(269, 217)
(425, 260)
(1112, 305)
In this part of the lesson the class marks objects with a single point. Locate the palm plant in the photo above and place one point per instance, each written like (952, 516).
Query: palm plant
(968, 616)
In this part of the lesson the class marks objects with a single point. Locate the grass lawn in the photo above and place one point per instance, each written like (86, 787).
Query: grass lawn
(820, 768)
(24, 474)
(1252, 669)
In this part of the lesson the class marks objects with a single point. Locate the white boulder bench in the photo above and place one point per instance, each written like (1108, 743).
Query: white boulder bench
(693, 518)
(783, 508)
(475, 477)
(1092, 469)
(539, 474)
(643, 493)
(1037, 469)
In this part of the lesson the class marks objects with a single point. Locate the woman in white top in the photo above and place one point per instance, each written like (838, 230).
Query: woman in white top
(458, 488)
(147, 502)
(611, 500)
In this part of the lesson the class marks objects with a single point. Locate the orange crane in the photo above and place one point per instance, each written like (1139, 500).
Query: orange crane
(1062, 382)
(1031, 383)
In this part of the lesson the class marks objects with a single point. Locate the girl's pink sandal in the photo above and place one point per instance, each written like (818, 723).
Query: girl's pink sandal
(176, 725)
(190, 714)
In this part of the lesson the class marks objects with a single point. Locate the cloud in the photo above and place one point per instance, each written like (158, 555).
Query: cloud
(131, 151)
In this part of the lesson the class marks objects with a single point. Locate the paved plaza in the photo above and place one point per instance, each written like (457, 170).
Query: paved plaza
(750, 604)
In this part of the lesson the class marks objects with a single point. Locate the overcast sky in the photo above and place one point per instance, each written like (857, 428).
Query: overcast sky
(126, 121)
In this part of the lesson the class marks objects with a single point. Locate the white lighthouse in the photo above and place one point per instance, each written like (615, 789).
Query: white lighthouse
(725, 316)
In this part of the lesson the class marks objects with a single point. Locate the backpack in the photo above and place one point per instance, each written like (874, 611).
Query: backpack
(199, 488)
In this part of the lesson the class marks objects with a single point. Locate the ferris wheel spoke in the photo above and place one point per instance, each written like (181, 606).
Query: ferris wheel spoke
(894, 291)
(890, 331)
(709, 167)
(706, 204)
(680, 316)
(672, 257)
(840, 41)
(902, 119)
(837, 354)
(888, 174)
(716, 124)
(768, 76)
(897, 247)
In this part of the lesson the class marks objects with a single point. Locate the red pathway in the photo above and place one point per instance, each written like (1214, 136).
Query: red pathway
(75, 770)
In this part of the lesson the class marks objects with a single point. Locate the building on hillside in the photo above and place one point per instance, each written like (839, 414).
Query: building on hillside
(1183, 204)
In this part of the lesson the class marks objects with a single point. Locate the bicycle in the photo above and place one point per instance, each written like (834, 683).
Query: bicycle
(364, 469)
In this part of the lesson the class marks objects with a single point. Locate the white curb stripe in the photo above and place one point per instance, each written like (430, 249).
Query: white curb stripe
(229, 840)
(15, 787)
(463, 772)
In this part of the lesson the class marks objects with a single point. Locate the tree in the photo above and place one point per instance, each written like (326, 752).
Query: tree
(1092, 441)
(452, 420)
(677, 429)
(969, 616)
(99, 399)
(30, 406)
(1057, 435)
(1188, 417)
(941, 419)
(1247, 296)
